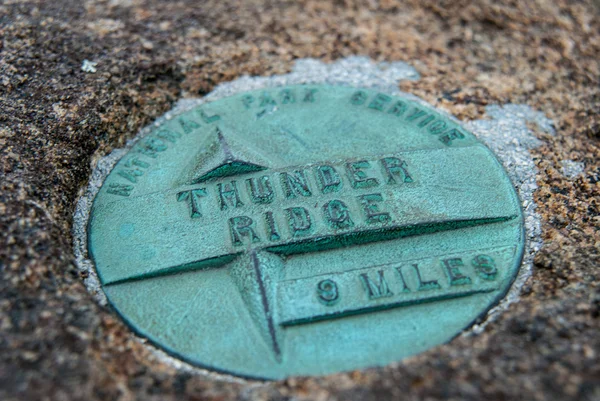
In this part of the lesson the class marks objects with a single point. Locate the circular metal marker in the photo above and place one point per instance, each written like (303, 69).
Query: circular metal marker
(305, 230)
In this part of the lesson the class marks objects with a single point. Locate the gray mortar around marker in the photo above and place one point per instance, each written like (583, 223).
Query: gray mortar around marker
(505, 133)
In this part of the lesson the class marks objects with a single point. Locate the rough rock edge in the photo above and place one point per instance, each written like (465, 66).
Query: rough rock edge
(506, 134)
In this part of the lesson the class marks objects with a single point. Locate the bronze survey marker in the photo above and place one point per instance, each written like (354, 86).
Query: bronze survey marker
(305, 230)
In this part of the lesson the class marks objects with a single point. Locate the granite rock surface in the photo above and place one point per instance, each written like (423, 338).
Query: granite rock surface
(77, 79)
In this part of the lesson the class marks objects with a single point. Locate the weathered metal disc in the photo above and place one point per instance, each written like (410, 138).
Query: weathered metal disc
(305, 230)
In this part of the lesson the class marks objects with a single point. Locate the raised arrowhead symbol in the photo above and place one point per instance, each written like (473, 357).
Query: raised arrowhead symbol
(256, 275)
(229, 157)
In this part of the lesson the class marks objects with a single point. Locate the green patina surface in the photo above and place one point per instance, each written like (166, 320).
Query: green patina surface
(305, 230)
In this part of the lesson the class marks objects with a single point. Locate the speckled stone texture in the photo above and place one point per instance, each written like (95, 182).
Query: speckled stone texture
(56, 120)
